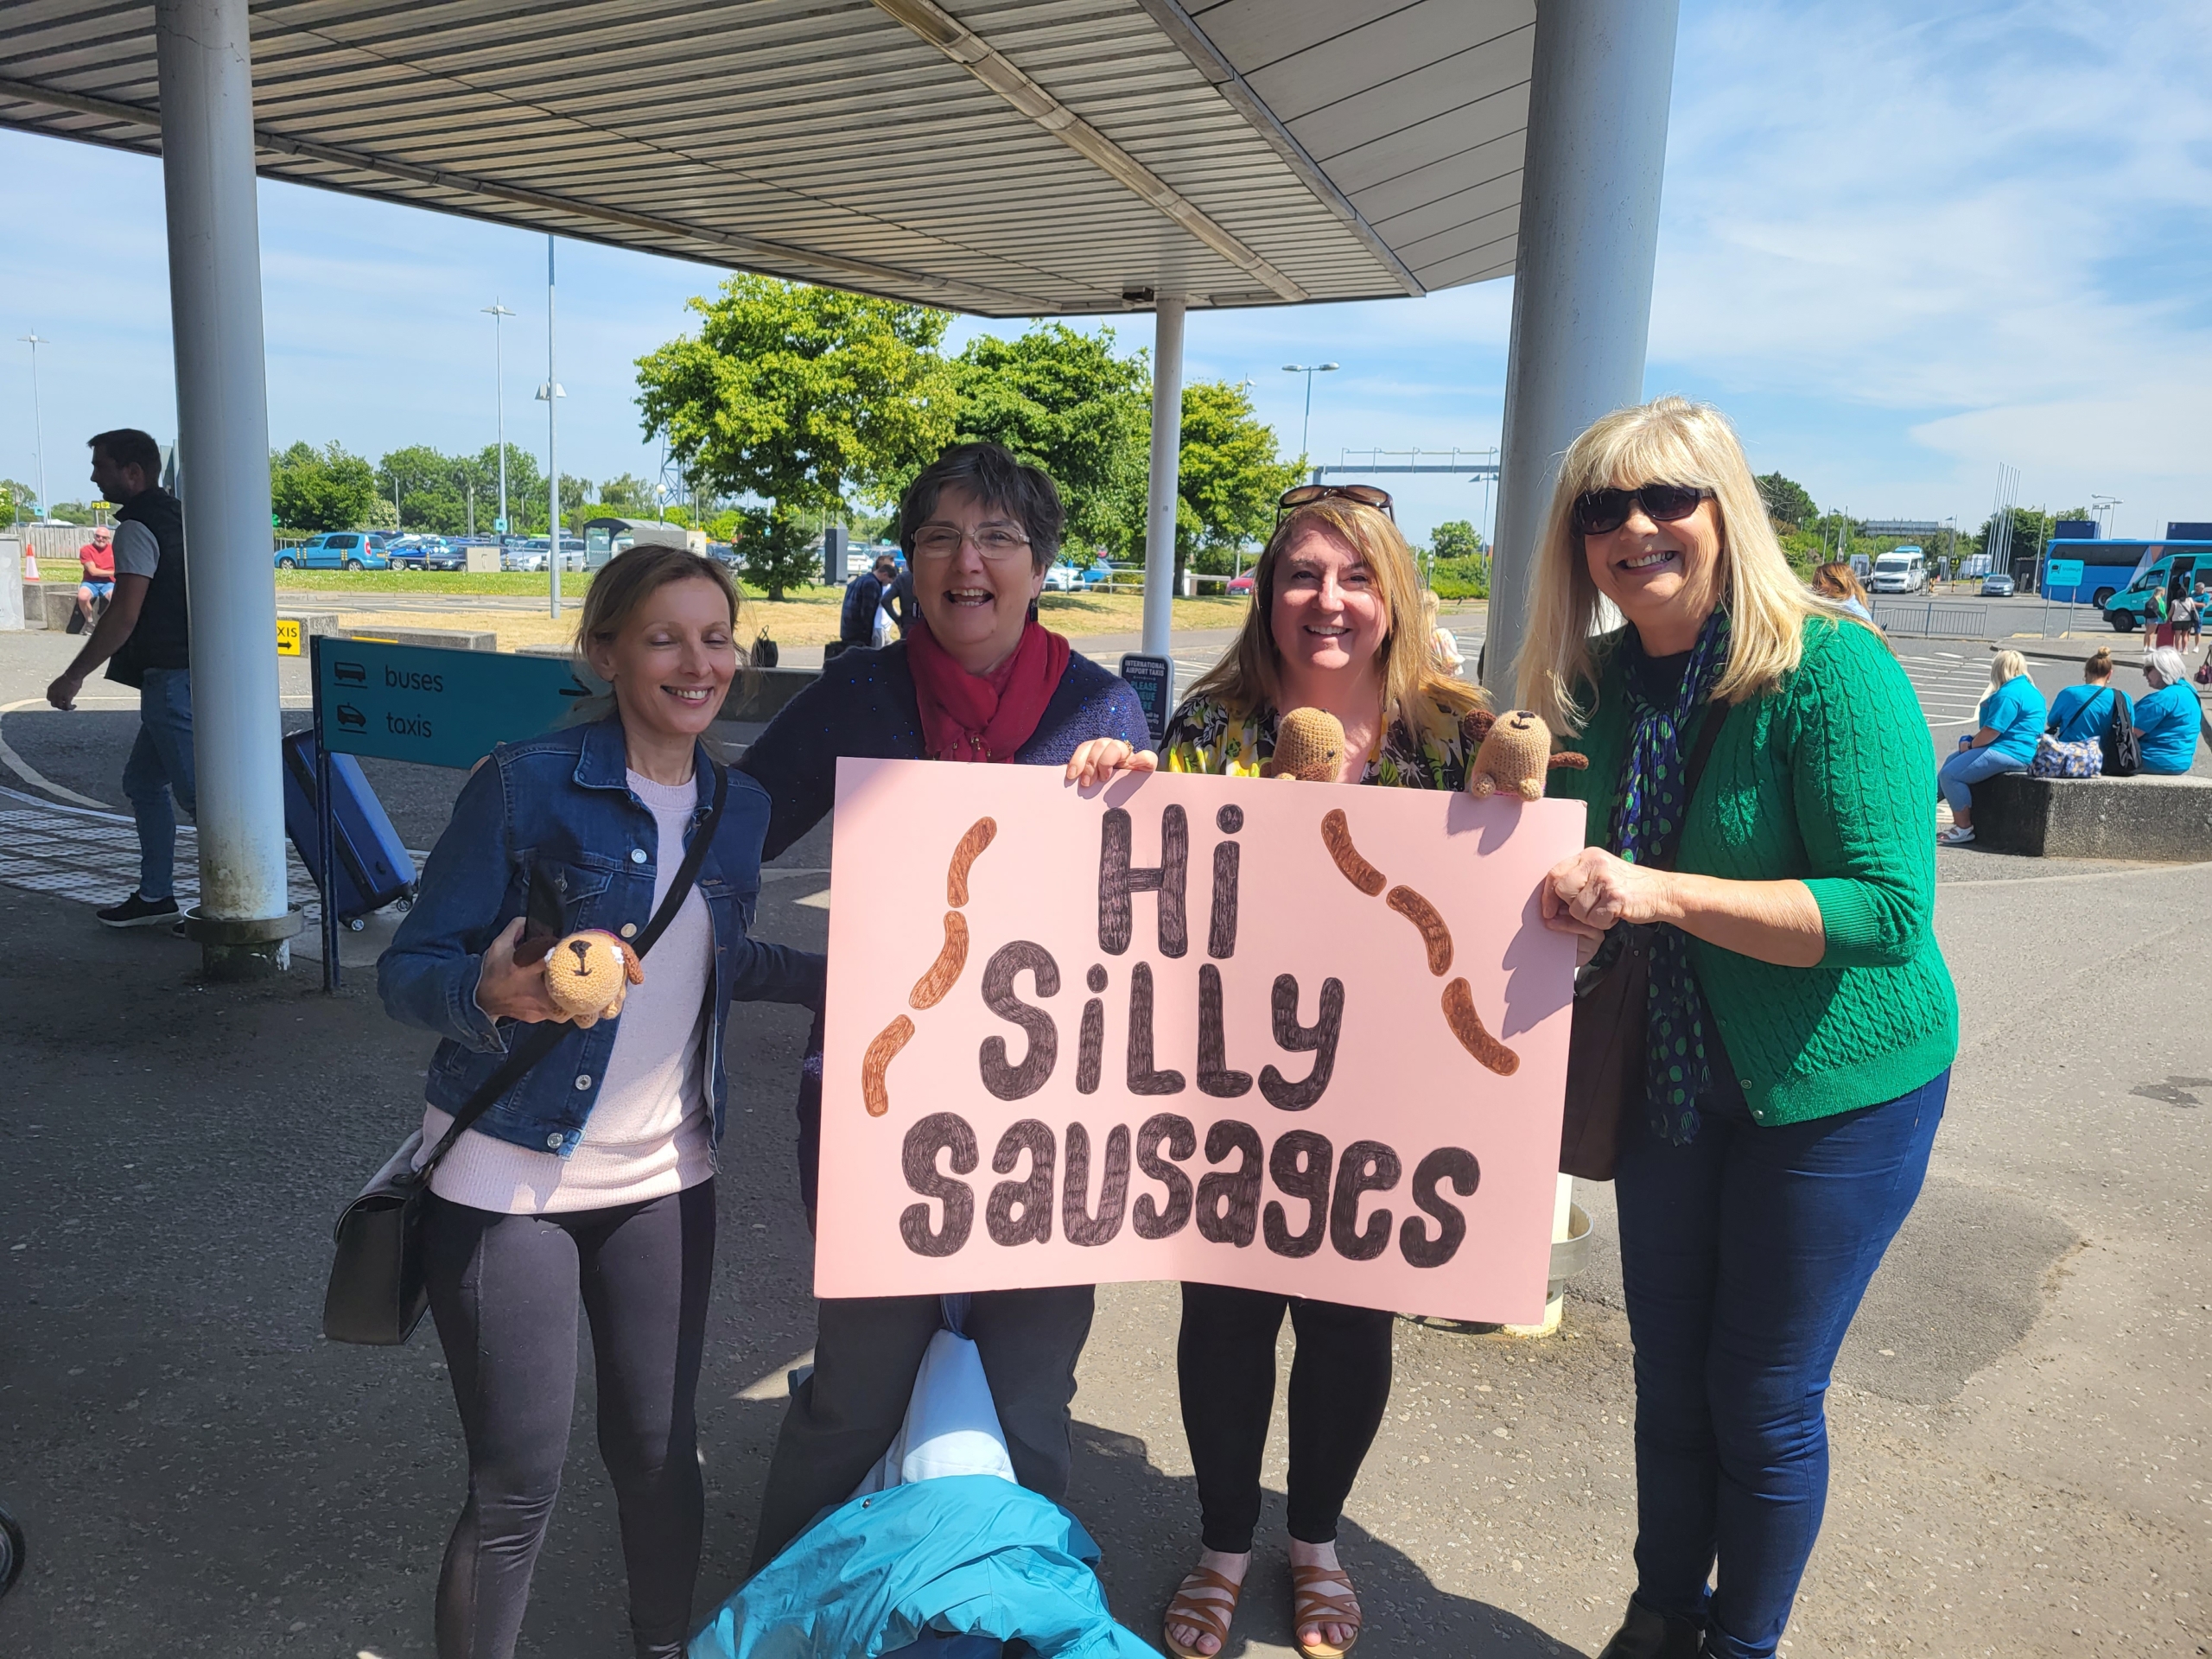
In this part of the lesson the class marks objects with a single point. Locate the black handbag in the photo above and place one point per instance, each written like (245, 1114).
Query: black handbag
(1606, 1043)
(376, 1295)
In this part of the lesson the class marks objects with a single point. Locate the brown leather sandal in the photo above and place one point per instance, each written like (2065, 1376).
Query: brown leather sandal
(1310, 1606)
(1206, 1602)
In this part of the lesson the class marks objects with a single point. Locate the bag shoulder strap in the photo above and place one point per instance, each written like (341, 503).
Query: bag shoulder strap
(1708, 733)
(542, 1040)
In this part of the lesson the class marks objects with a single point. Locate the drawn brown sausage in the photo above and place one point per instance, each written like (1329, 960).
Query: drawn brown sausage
(963, 858)
(1467, 1026)
(881, 1053)
(1433, 933)
(929, 990)
(1336, 834)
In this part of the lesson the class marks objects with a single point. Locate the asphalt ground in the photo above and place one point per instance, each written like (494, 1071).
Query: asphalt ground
(2018, 1415)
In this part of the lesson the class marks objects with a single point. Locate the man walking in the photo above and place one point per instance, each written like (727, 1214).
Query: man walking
(144, 639)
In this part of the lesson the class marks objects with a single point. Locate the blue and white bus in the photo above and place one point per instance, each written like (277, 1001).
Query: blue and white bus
(2110, 568)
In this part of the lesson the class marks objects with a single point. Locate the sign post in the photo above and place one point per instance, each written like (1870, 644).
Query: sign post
(1113, 1067)
(2059, 572)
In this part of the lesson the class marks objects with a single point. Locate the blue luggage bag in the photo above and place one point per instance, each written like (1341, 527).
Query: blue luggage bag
(373, 867)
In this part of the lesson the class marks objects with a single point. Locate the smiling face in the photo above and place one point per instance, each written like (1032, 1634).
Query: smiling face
(673, 660)
(974, 594)
(1329, 615)
(1665, 578)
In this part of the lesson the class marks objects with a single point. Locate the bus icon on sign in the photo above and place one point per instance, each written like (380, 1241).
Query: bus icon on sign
(349, 673)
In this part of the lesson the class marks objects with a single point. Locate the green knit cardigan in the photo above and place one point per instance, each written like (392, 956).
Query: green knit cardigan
(1829, 778)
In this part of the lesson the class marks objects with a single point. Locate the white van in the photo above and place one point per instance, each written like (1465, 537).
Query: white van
(1900, 570)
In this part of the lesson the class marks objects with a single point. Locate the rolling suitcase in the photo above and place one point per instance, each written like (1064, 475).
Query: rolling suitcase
(373, 868)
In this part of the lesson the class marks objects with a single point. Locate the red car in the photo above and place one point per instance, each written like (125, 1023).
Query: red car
(1240, 584)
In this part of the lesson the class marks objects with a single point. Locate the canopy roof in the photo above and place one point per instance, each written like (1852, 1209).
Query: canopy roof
(1006, 158)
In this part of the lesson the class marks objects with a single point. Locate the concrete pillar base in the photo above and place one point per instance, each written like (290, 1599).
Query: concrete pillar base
(233, 950)
(1553, 1310)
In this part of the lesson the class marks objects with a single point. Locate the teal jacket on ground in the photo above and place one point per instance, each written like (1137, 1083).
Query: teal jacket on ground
(964, 1554)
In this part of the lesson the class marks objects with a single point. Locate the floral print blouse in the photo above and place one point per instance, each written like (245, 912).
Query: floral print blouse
(1204, 735)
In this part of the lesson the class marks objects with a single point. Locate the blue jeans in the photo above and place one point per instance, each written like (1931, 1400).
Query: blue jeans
(1744, 1256)
(1967, 766)
(161, 766)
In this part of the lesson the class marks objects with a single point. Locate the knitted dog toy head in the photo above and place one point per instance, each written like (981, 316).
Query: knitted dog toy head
(588, 974)
(1515, 754)
(1309, 743)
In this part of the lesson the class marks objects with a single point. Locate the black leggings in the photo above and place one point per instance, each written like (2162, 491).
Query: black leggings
(1339, 1384)
(503, 1291)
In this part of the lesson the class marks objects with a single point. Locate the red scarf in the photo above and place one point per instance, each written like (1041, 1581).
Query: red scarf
(984, 717)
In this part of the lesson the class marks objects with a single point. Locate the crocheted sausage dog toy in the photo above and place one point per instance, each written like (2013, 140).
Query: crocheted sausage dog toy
(1515, 754)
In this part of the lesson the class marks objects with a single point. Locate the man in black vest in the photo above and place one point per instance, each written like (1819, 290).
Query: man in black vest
(145, 640)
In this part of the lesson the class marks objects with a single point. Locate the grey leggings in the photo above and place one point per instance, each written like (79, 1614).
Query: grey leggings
(503, 1291)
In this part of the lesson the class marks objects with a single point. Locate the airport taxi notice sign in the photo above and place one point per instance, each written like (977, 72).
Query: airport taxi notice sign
(288, 636)
(437, 708)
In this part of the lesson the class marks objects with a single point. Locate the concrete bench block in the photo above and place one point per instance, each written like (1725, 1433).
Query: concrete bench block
(47, 604)
(312, 623)
(2158, 820)
(773, 687)
(439, 638)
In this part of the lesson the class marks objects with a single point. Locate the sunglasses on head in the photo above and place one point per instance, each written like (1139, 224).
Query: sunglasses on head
(1305, 495)
(1600, 512)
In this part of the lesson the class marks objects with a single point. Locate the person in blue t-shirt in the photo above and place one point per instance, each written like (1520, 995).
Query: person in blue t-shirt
(2082, 713)
(2013, 716)
(2167, 717)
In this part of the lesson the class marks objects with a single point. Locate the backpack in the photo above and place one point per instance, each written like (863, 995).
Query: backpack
(2123, 749)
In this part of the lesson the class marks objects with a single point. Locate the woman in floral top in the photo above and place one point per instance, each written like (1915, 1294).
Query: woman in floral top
(1335, 624)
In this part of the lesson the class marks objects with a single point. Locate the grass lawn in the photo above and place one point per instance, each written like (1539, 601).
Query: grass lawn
(455, 584)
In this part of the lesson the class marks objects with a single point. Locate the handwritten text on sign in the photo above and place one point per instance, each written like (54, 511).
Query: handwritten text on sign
(1298, 1037)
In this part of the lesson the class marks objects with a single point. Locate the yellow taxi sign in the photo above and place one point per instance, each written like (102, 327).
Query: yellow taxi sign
(288, 636)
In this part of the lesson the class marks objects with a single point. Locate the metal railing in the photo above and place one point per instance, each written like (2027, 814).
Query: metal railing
(1931, 620)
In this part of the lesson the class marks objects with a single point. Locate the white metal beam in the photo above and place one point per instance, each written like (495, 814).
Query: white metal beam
(1166, 482)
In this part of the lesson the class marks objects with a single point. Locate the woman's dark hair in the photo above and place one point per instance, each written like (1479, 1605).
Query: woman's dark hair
(128, 447)
(2098, 667)
(990, 474)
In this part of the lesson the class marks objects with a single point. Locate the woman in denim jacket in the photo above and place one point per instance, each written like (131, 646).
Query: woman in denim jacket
(591, 1179)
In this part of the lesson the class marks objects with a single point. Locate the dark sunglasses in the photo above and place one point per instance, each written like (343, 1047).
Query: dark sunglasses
(1600, 512)
(1305, 495)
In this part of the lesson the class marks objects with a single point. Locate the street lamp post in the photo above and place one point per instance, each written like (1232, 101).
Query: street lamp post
(497, 312)
(38, 420)
(552, 392)
(1306, 427)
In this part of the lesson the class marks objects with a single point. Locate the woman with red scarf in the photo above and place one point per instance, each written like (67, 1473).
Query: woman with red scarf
(974, 681)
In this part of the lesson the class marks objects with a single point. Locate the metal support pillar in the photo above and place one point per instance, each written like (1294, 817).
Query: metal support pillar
(1166, 465)
(206, 68)
(1597, 148)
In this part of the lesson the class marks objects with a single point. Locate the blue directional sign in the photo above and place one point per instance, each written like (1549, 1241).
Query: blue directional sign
(2062, 573)
(438, 708)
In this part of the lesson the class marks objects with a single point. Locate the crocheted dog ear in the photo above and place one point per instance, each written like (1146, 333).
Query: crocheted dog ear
(1475, 724)
(634, 970)
(1570, 760)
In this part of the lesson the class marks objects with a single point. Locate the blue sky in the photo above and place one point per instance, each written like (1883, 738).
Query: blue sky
(1898, 247)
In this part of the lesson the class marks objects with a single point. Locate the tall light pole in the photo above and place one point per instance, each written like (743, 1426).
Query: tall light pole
(497, 312)
(552, 392)
(1309, 373)
(38, 421)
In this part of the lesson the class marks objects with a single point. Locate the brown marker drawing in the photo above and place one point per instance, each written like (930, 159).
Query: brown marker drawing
(963, 857)
(888, 1041)
(1336, 834)
(1434, 934)
(1467, 1026)
(929, 990)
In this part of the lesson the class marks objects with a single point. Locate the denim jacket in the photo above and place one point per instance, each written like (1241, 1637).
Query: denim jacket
(561, 806)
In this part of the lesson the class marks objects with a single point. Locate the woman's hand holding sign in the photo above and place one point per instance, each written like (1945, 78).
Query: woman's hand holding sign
(1100, 758)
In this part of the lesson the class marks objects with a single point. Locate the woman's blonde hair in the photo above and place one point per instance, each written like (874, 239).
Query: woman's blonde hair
(1249, 678)
(1668, 440)
(2005, 665)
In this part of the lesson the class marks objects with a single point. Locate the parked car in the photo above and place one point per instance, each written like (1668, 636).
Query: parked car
(525, 553)
(1994, 586)
(1101, 575)
(1240, 584)
(425, 553)
(336, 549)
(1900, 570)
(1061, 578)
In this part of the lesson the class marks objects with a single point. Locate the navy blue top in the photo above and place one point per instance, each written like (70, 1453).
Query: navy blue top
(863, 706)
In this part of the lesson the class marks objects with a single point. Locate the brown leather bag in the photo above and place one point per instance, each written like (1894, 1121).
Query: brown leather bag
(1605, 1045)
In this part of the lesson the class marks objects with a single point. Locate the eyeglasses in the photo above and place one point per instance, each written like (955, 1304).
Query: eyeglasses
(1600, 512)
(995, 543)
(1305, 495)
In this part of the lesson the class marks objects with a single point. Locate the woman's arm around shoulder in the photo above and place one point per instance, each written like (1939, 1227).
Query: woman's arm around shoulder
(1863, 773)
(428, 976)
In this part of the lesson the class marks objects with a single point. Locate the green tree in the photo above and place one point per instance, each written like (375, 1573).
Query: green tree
(311, 489)
(72, 512)
(1063, 401)
(1787, 501)
(1230, 477)
(18, 501)
(1455, 539)
(795, 396)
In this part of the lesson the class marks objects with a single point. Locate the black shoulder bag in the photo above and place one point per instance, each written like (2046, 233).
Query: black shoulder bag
(1606, 1043)
(376, 1293)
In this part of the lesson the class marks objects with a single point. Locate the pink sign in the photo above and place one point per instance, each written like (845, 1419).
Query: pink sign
(1297, 1037)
